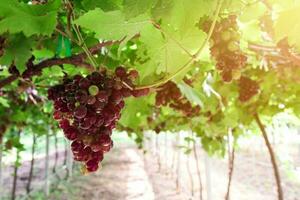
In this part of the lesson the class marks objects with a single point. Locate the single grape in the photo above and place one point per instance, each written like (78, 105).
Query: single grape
(81, 96)
(84, 83)
(93, 90)
(64, 124)
(120, 72)
(85, 124)
(104, 139)
(71, 133)
(116, 96)
(92, 165)
(80, 112)
(226, 36)
(133, 74)
(91, 100)
(126, 92)
(77, 146)
(102, 96)
(96, 78)
(57, 115)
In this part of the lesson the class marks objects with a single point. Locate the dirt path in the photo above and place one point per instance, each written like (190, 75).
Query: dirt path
(127, 174)
(121, 177)
(124, 176)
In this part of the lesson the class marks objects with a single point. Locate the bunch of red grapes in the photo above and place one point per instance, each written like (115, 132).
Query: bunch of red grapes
(88, 108)
(225, 47)
(169, 95)
(247, 88)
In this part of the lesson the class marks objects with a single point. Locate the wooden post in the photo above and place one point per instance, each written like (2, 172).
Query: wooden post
(208, 177)
(188, 159)
(198, 169)
(178, 171)
(69, 161)
(1, 178)
(157, 152)
(56, 153)
(46, 189)
(166, 150)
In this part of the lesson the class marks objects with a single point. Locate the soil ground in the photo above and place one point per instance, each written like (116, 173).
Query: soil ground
(128, 174)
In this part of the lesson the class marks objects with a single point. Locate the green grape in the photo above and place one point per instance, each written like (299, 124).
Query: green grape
(236, 74)
(233, 46)
(93, 90)
(226, 36)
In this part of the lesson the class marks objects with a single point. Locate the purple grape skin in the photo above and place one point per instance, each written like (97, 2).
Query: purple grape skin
(89, 120)
(80, 112)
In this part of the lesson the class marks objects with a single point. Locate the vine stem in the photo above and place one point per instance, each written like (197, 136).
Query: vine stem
(79, 36)
(272, 156)
(231, 157)
(193, 58)
(16, 167)
(198, 169)
(28, 186)
(188, 166)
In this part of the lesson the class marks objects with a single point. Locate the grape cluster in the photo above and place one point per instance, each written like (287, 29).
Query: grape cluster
(88, 108)
(225, 48)
(247, 88)
(169, 95)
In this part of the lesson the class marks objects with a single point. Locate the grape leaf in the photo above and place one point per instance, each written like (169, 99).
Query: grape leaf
(167, 52)
(106, 5)
(18, 51)
(135, 112)
(287, 25)
(30, 19)
(133, 8)
(253, 12)
(112, 25)
(191, 94)
(4, 102)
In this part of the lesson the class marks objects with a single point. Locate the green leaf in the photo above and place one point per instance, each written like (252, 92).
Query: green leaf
(112, 25)
(133, 8)
(4, 102)
(106, 5)
(287, 25)
(54, 71)
(181, 14)
(135, 112)
(167, 52)
(30, 19)
(253, 12)
(190, 93)
(18, 51)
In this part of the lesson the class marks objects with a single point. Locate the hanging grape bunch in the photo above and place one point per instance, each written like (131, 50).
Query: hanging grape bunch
(225, 48)
(247, 88)
(169, 95)
(88, 108)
